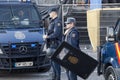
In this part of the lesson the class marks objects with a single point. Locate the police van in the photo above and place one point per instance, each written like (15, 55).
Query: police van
(109, 54)
(21, 37)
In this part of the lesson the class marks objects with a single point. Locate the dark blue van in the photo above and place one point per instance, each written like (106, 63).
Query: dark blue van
(109, 54)
(21, 37)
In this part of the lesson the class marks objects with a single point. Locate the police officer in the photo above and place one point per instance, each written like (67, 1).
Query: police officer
(54, 38)
(71, 36)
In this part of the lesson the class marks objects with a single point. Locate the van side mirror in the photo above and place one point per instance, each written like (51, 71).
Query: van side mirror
(110, 34)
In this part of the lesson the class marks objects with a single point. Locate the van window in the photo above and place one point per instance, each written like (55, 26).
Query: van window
(5, 13)
(19, 16)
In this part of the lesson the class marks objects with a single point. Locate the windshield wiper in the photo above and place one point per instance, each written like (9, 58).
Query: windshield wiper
(4, 27)
(22, 27)
(4, 23)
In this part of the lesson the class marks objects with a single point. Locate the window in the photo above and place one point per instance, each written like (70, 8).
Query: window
(19, 16)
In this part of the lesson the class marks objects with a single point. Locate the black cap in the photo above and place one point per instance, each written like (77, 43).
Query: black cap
(70, 20)
(52, 10)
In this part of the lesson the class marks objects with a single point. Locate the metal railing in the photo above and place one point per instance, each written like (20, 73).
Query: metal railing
(79, 11)
(107, 18)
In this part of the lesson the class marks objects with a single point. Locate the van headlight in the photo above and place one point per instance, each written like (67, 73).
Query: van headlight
(1, 52)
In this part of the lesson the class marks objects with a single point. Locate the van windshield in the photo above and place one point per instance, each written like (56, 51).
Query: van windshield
(19, 16)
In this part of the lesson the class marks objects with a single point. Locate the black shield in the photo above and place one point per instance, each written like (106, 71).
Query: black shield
(74, 60)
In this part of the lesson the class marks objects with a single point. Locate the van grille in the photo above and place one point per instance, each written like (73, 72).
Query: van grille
(32, 48)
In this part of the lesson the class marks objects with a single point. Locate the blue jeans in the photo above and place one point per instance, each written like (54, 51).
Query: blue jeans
(71, 75)
(56, 70)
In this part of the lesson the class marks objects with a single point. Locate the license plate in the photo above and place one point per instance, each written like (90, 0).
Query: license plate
(23, 64)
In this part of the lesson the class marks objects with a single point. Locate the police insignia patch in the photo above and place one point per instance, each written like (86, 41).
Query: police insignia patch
(73, 35)
(73, 60)
(58, 24)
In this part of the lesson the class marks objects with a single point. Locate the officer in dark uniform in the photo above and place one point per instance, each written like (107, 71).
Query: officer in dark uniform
(54, 38)
(71, 36)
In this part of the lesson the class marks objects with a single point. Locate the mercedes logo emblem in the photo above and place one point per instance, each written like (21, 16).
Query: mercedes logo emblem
(23, 49)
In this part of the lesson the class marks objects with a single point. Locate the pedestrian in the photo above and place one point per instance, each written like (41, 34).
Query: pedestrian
(71, 36)
(54, 38)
